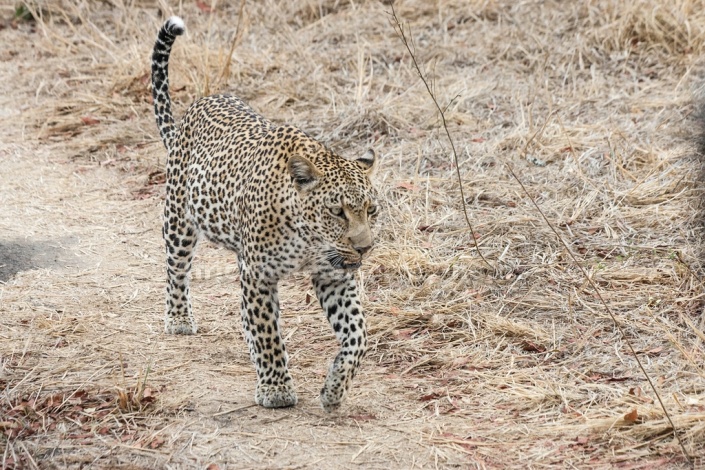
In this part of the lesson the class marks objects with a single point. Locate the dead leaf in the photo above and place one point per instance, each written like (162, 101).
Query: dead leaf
(639, 393)
(530, 346)
(204, 7)
(407, 186)
(632, 416)
(90, 121)
(363, 417)
(54, 401)
(431, 396)
(619, 379)
(427, 228)
(157, 442)
(404, 333)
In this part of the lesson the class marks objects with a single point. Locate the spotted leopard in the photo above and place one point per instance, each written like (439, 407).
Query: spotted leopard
(284, 203)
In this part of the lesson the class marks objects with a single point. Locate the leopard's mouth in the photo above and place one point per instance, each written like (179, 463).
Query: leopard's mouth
(351, 266)
(338, 261)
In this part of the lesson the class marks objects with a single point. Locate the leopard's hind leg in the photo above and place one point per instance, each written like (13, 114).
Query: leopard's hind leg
(180, 237)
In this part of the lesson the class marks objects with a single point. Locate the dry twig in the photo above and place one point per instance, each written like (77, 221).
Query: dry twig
(409, 44)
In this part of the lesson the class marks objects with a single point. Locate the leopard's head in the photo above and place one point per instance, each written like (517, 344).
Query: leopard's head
(339, 203)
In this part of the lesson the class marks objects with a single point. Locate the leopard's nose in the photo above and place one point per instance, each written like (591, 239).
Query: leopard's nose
(363, 249)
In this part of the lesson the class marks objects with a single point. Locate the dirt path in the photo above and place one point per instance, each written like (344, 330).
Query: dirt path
(86, 302)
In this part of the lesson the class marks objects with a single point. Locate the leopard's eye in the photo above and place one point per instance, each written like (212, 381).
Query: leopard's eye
(338, 212)
(372, 210)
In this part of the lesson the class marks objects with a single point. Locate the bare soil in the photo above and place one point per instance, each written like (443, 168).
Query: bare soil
(513, 365)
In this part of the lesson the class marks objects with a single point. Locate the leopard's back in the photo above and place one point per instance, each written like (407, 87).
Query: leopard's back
(219, 136)
(234, 163)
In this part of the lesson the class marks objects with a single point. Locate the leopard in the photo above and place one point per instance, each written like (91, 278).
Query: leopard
(284, 203)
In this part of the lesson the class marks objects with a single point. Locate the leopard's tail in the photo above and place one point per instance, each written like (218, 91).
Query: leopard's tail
(173, 27)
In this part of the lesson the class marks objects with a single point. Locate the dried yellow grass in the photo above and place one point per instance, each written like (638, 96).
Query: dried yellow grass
(589, 101)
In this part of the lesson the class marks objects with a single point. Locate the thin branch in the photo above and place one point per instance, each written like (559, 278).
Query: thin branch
(607, 309)
(409, 44)
(237, 36)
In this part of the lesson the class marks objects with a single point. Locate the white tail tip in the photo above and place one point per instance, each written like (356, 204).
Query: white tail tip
(176, 25)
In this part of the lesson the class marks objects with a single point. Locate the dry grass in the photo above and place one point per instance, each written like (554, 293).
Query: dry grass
(588, 101)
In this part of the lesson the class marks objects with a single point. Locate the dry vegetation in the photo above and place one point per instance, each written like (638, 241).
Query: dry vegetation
(517, 366)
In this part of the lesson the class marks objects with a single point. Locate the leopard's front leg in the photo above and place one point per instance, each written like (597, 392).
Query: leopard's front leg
(337, 293)
(260, 319)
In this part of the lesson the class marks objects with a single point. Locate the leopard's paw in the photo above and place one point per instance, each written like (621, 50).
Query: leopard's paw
(275, 396)
(331, 397)
(180, 326)
(328, 406)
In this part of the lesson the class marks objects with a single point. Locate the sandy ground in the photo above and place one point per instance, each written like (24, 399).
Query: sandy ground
(82, 311)
(468, 368)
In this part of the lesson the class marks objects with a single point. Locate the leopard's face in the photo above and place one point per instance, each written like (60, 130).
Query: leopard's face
(340, 206)
(347, 216)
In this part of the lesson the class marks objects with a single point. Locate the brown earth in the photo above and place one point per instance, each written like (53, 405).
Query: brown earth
(516, 365)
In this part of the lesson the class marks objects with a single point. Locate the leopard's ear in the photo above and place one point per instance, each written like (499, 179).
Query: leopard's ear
(304, 173)
(368, 162)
